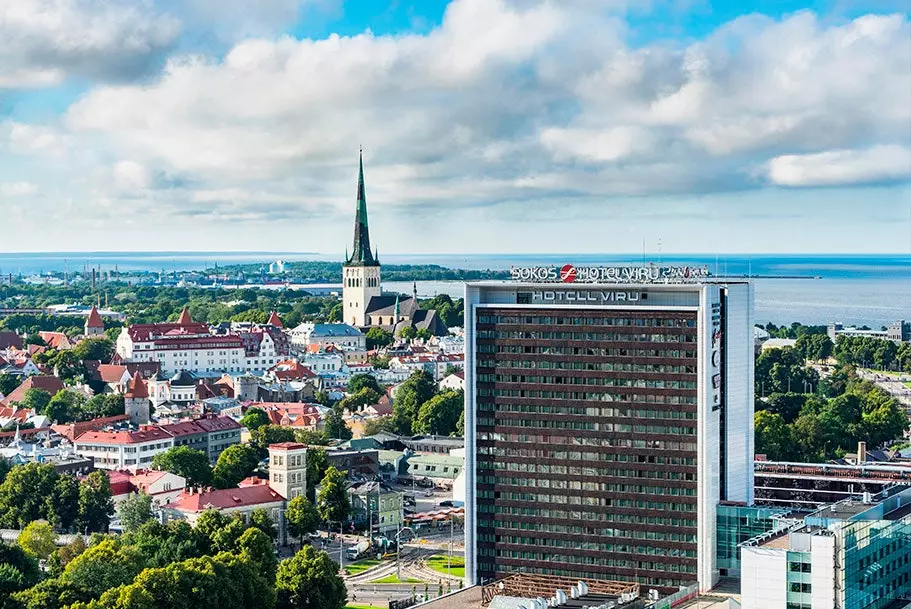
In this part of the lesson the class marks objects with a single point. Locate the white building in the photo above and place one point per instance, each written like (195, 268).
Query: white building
(361, 270)
(323, 335)
(288, 469)
(123, 450)
(635, 381)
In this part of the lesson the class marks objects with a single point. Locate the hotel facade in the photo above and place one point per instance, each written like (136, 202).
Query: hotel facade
(609, 410)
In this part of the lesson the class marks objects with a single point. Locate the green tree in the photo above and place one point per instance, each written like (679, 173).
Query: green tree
(254, 418)
(322, 397)
(62, 505)
(5, 467)
(209, 523)
(96, 504)
(310, 436)
(261, 520)
(234, 464)
(788, 405)
(256, 546)
(440, 414)
(134, 511)
(225, 538)
(24, 492)
(302, 517)
(187, 462)
(8, 383)
(38, 539)
(357, 401)
(317, 464)
(378, 337)
(358, 382)
(18, 571)
(36, 399)
(104, 566)
(378, 424)
(773, 436)
(51, 594)
(310, 580)
(332, 501)
(335, 425)
(65, 406)
(102, 405)
(101, 349)
(414, 391)
(407, 333)
(262, 437)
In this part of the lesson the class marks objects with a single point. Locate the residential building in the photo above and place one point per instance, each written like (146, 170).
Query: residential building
(163, 487)
(380, 506)
(288, 469)
(358, 463)
(56, 340)
(439, 468)
(123, 450)
(440, 445)
(191, 503)
(609, 410)
(453, 382)
(45, 382)
(341, 335)
(853, 554)
(222, 433)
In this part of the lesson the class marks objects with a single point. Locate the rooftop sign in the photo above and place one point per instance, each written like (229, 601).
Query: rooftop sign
(569, 273)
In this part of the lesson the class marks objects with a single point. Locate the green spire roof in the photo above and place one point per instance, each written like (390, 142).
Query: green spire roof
(361, 254)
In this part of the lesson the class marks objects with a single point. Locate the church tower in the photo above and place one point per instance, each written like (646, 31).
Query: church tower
(361, 270)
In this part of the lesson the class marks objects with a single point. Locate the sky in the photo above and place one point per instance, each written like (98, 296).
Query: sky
(487, 126)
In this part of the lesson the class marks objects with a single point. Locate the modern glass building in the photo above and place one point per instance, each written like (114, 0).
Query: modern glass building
(608, 413)
(854, 554)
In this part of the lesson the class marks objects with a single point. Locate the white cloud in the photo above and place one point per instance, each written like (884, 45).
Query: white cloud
(132, 175)
(43, 41)
(18, 189)
(24, 138)
(840, 167)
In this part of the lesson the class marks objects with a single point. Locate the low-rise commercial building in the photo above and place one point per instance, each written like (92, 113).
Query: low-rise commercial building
(128, 450)
(382, 507)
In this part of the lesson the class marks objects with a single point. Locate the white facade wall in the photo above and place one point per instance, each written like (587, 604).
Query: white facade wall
(763, 578)
(359, 285)
(822, 571)
(739, 392)
(123, 456)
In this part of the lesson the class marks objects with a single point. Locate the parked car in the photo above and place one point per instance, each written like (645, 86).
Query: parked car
(446, 503)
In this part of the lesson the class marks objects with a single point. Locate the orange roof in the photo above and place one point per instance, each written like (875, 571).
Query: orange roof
(275, 320)
(225, 498)
(94, 320)
(184, 318)
(54, 340)
(48, 383)
(71, 431)
(111, 373)
(137, 387)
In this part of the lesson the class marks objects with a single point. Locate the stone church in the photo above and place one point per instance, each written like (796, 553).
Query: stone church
(364, 304)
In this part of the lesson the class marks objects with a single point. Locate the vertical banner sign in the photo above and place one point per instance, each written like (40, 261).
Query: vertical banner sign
(716, 356)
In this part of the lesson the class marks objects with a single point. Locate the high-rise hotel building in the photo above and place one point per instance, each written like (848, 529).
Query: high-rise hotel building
(609, 410)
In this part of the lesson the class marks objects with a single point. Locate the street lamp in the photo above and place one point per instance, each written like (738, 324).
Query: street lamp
(398, 551)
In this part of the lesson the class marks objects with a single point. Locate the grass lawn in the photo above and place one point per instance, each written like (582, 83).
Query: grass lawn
(439, 562)
(392, 579)
(360, 566)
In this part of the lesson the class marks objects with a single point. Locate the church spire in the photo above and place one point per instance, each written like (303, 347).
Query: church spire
(361, 254)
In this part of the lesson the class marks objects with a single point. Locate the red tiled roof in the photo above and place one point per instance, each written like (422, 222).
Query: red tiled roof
(289, 370)
(183, 428)
(137, 388)
(252, 481)
(275, 320)
(218, 423)
(71, 431)
(48, 383)
(33, 349)
(146, 332)
(225, 498)
(146, 434)
(54, 340)
(287, 446)
(10, 339)
(184, 319)
(94, 320)
(23, 432)
(111, 373)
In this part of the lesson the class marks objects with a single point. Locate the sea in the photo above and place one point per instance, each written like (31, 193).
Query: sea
(871, 290)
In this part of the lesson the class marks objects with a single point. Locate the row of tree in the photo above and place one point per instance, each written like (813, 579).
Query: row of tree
(222, 562)
(872, 352)
(66, 405)
(35, 491)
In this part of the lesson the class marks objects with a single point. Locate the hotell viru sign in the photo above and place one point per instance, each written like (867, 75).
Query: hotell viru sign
(569, 273)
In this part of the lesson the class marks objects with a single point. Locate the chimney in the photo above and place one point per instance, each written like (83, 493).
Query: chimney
(861, 452)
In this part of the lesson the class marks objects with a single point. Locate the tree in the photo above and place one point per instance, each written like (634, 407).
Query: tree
(65, 406)
(332, 501)
(24, 492)
(103, 566)
(262, 437)
(311, 437)
(234, 464)
(378, 337)
(407, 333)
(302, 517)
(375, 426)
(261, 520)
(254, 418)
(52, 593)
(310, 580)
(773, 436)
(317, 464)
(100, 349)
(256, 546)
(358, 382)
(356, 401)
(209, 523)
(62, 506)
(335, 425)
(8, 383)
(414, 391)
(96, 504)
(134, 511)
(102, 405)
(5, 467)
(788, 405)
(36, 399)
(322, 397)
(440, 414)
(186, 462)
(38, 539)
(18, 570)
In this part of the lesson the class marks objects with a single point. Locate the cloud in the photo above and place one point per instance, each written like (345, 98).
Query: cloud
(24, 138)
(42, 42)
(18, 189)
(841, 167)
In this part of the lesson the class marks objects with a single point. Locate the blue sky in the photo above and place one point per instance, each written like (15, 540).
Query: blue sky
(487, 125)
